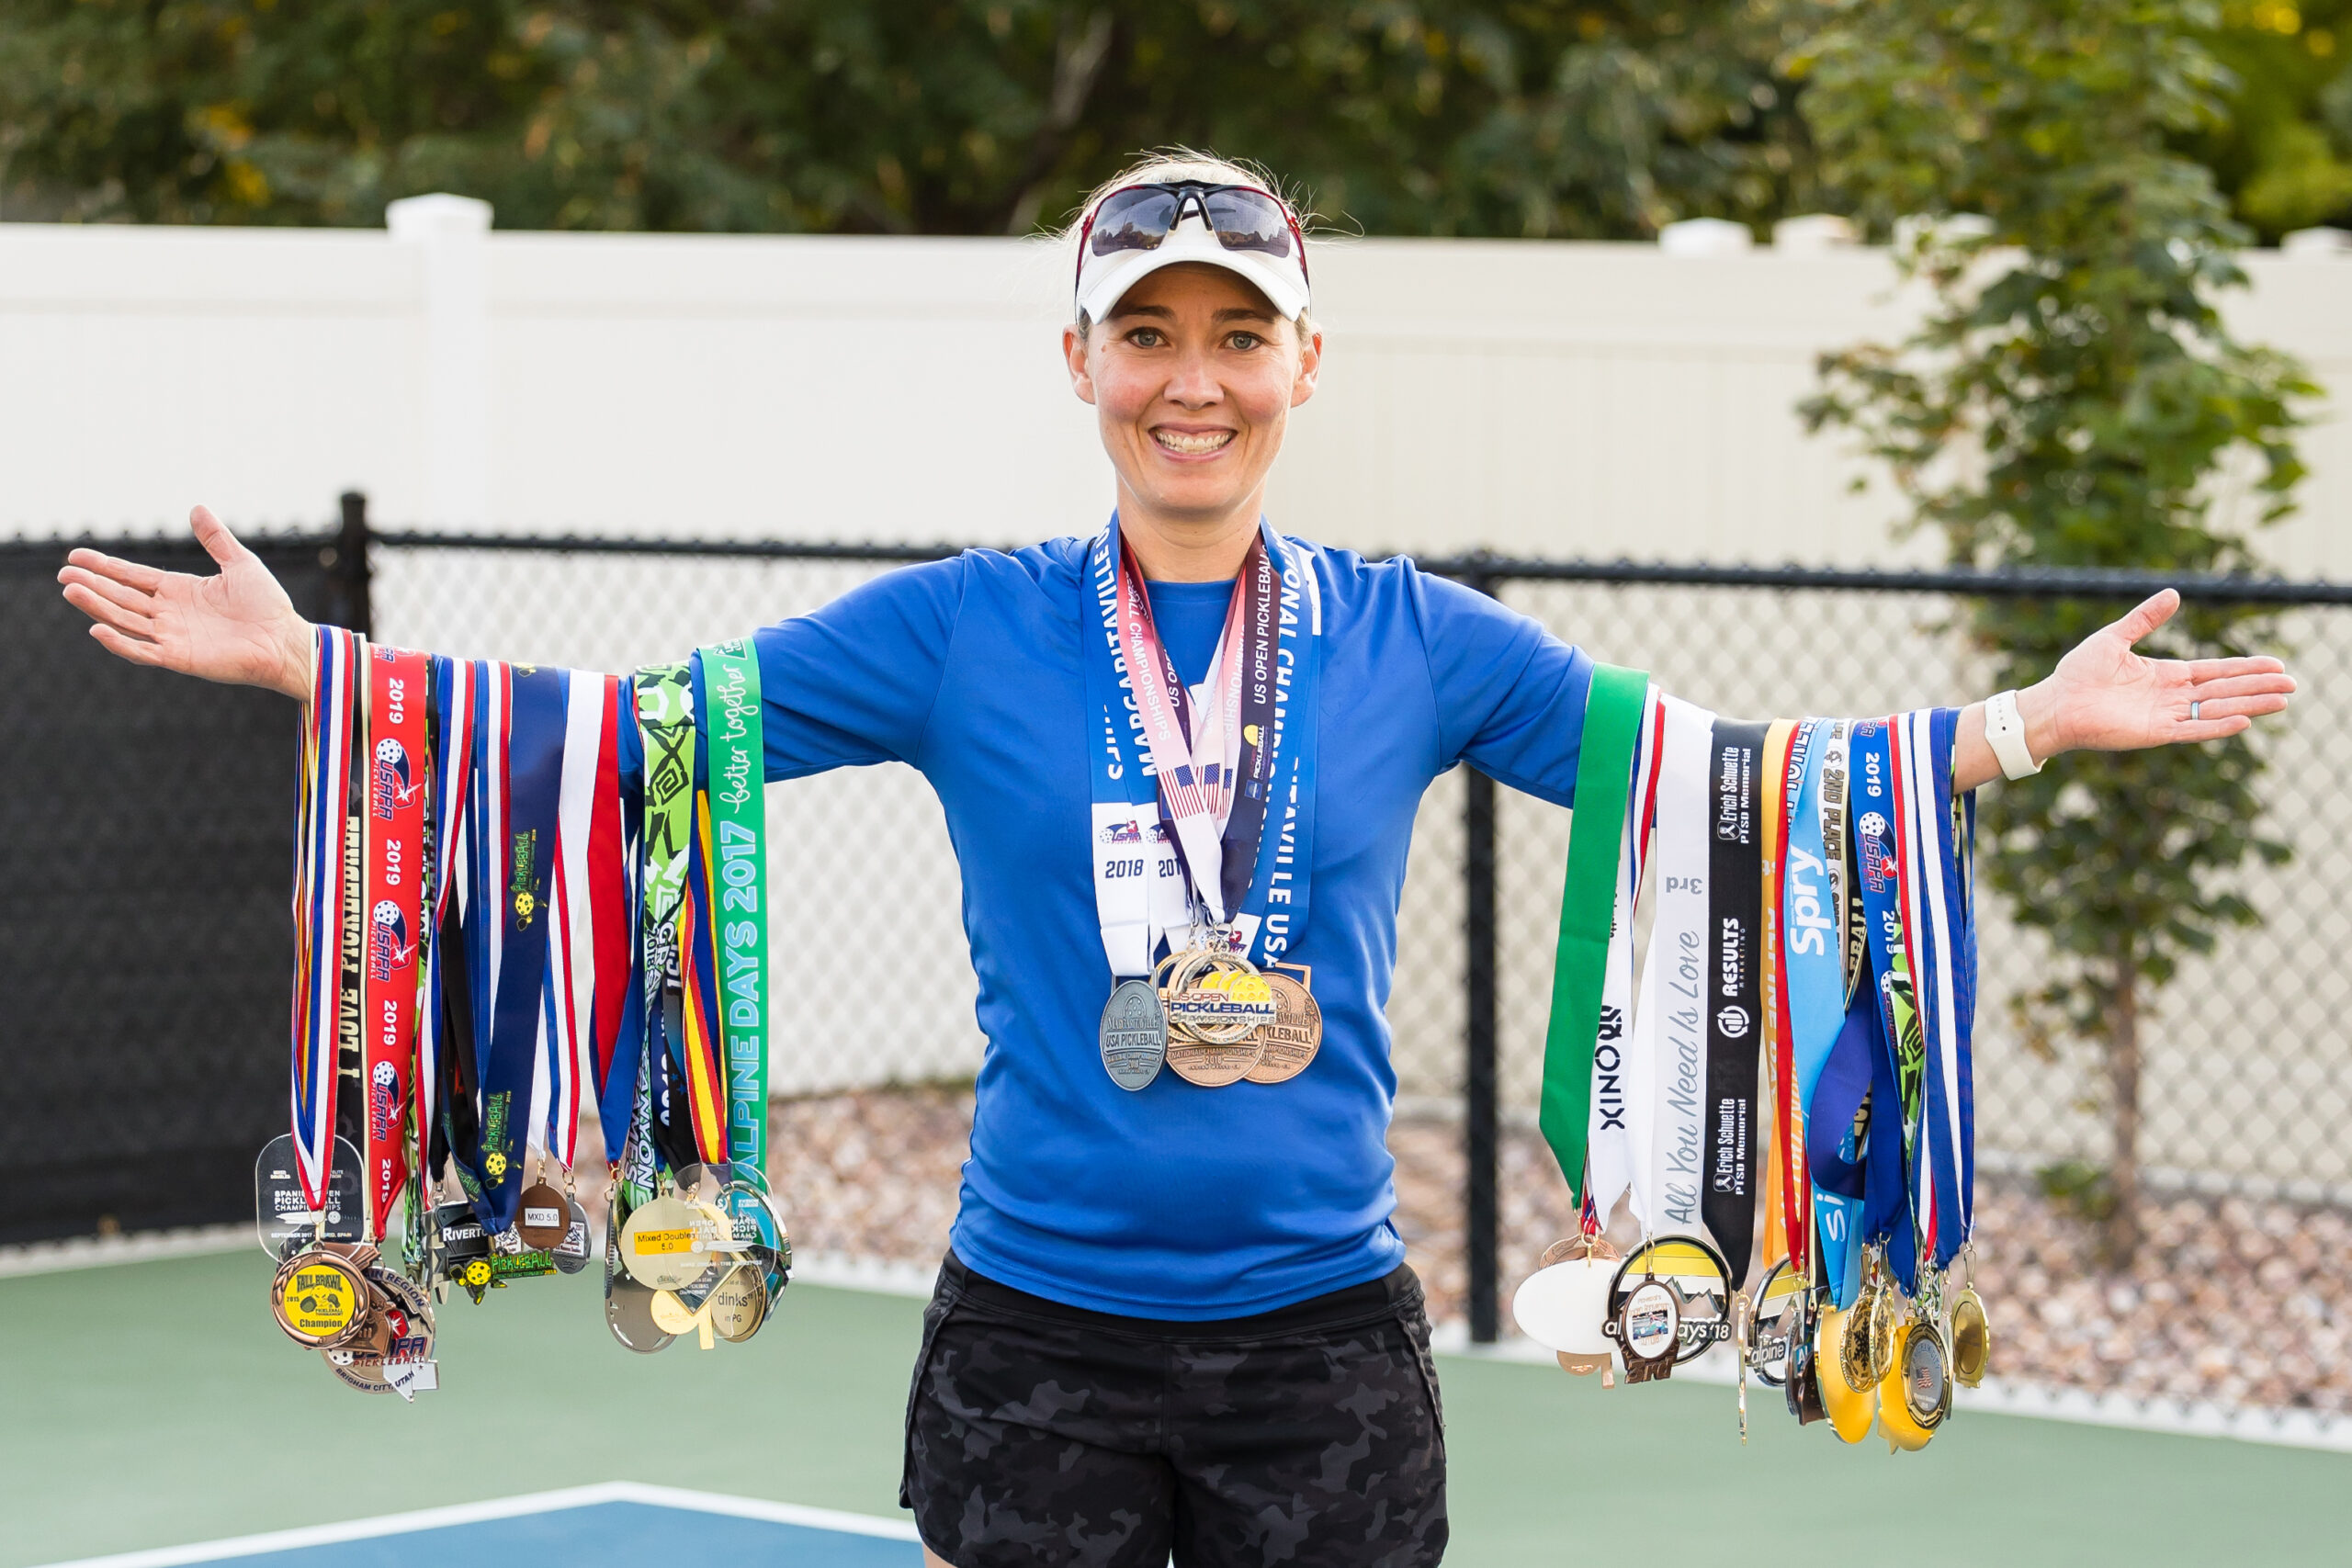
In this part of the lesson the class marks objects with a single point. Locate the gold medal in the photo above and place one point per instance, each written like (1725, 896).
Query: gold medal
(1216, 1003)
(739, 1305)
(1866, 1345)
(1296, 1032)
(1971, 1339)
(666, 1244)
(671, 1315)
(1916, 1394)
(1850, 1406)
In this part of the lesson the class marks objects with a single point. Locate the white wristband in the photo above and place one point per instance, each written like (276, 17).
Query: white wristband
(2005, 732)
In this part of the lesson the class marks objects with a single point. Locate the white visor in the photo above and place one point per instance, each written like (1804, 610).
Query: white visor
(1104, 281)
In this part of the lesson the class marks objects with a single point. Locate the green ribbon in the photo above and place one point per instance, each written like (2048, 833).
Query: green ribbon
(739, 880)
(1612, 722)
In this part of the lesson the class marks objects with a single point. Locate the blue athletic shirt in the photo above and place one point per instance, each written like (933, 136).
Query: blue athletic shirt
(1177, 1202)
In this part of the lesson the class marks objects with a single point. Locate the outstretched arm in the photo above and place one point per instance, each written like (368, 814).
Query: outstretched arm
(2104, 697)
(237, 627)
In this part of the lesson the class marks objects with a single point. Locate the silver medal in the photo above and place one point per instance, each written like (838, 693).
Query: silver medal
(1134, 1034)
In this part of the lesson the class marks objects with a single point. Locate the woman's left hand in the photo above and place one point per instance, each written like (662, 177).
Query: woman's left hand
(2104, 697)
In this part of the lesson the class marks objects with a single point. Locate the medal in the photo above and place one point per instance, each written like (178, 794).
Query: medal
(570, 1254)
(1698, 1279)
(1971, 1339)
(397, 1356)
(1775, 1322)
(739, 1305)
(282, 1211)
(1217, 1003)
(1916, 1394)
(543, 1217)
(1647, 1329)
(319, 1295)
(1183, 780)
(1866, 1341)
(1297, 1032)
(1134, 1034)
(1802, 1385)
(628, 1306)
(665, 1243)
(1851, 1405)
(1563, 1305)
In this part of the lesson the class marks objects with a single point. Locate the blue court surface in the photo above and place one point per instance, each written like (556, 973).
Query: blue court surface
(617, 1522)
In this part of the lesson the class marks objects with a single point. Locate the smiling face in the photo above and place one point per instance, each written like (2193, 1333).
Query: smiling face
(1192, 377)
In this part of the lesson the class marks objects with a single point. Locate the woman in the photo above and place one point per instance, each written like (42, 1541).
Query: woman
(1176, 1318)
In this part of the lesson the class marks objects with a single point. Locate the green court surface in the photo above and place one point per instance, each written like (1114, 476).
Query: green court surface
(155, 1405)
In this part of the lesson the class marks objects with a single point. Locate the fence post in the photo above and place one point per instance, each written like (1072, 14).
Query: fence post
(1480, 1112)
(349, 600)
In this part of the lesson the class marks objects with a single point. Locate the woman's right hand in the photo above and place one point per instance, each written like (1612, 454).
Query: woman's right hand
(237, 626)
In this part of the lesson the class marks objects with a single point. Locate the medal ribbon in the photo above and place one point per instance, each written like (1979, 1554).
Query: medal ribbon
(517, 874)
(737, 889)
(1898, 1050)
(1734, 1022)
(1615, 706)
(452, 751)
(1945, 1177)
(1139, 875)
(1812, 898)
(704, 1046)
(1617, 1159)
(588, 940)
(323, 788)
(1205, 762)
(1787, 1219)
(400, 704)
(1667, 1084)
(664, 697)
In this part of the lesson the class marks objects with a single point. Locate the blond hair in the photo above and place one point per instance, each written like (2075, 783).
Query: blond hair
(1168, 165)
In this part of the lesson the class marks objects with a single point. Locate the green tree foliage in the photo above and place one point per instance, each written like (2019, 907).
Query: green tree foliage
(2284, 152)
(2072, 400)
(1447, 117)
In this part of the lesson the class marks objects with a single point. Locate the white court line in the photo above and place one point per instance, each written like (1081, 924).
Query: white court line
(505, 1508)
(2011, 1396)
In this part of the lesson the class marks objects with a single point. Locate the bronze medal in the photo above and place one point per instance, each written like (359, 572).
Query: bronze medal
(543, 1218)
(1133, 1035)
(319, 1295)
(665, 1243)
(1296, 1032)
(1648, 1330)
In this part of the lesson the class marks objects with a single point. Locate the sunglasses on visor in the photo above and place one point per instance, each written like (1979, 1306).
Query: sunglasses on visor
(1243, 218)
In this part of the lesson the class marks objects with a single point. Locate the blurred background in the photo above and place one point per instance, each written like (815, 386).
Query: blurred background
(1899, 344)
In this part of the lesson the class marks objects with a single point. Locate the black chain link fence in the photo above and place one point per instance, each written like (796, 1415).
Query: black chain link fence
(147, 956)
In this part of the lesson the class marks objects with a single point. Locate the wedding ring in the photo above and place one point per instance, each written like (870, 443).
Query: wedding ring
(2192, 711)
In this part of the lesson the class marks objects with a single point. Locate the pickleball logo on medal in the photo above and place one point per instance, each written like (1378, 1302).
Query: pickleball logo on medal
(1224, 997)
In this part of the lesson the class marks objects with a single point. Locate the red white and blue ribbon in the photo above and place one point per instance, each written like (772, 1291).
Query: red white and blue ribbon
(322, 794)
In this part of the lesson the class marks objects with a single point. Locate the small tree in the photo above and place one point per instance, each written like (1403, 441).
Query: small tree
(2072, 399)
